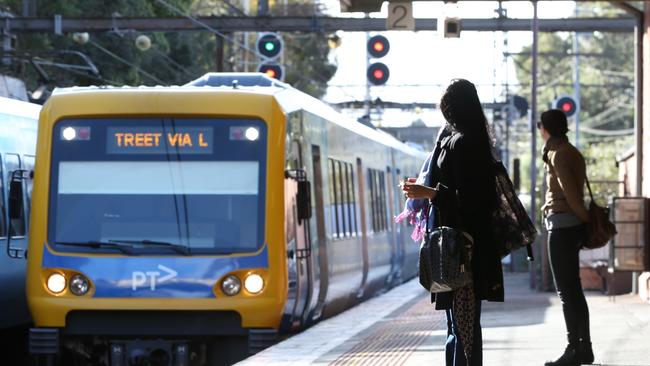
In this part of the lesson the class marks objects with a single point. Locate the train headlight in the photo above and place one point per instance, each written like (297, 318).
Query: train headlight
(231, 285)
(254, 283)
(69, 133)
(252, 133)
(56, 283)
(79, 285)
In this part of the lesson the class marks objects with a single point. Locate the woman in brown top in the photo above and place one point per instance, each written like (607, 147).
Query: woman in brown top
(564, 216)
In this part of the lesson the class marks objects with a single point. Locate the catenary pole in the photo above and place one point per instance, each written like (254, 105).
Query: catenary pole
(533, 136)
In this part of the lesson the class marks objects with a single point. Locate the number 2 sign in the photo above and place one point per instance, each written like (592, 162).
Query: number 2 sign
(400, 16)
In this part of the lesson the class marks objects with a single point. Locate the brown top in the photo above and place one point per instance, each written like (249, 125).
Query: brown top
(565, 178)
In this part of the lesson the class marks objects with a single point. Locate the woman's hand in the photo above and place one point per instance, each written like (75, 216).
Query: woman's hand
(418, 191)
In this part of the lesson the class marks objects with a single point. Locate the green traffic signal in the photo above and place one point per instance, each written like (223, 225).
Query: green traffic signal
(269, 45)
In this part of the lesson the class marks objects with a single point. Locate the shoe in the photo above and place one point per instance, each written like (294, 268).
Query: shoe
(568, 358)
(586, 353)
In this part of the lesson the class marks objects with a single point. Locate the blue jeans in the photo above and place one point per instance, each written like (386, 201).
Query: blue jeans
(454, 349)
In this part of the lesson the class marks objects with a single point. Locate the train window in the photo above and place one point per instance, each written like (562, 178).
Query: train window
(28, 164)
(340, 174)
(3, 228)
(16, 226)
(198, 183)
(342, 199)
(333, 198)
(352, 209)
(377, 188)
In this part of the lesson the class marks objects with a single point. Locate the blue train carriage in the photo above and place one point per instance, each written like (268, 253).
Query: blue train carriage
(190, 225)
(18, 124)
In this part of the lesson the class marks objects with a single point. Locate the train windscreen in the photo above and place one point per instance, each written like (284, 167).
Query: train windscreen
(158, 185)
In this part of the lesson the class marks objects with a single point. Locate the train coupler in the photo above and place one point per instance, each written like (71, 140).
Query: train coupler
(149, 352)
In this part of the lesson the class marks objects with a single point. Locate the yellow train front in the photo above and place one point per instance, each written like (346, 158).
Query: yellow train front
(174, 226)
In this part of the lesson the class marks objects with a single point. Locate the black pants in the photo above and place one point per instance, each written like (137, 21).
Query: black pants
(563, 249)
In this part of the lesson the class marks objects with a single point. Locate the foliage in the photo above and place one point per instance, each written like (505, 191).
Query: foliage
(174, 57)
(607, 96)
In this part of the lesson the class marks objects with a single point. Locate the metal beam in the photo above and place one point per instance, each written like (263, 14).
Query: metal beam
(305, 24)
(357, 104)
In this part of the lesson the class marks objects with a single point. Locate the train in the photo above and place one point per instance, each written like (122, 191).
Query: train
(198, 224)
(18, 126)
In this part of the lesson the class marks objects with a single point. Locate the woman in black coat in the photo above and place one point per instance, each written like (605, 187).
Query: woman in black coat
(461, 184)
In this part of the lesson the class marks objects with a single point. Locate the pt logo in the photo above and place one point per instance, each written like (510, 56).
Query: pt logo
(140, 278)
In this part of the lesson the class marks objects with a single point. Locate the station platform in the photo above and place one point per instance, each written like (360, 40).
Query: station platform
(401, 327)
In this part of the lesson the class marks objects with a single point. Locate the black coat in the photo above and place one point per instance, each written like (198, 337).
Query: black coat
(466, 200)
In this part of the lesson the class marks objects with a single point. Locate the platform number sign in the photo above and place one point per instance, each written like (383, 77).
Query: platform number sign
(400, 16)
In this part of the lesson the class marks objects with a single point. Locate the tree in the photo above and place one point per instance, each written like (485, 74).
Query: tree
(173, 59)
(607, 94)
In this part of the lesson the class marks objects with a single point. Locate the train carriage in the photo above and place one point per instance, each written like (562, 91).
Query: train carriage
(191, 225)
(18, 124)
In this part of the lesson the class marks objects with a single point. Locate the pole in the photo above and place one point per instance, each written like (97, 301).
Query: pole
(219, 54)
(367, 98)
(576, 81)
(638, 119)
(533, 136)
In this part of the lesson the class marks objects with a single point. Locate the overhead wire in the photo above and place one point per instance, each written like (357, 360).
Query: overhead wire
(139, 69)
(200, 23)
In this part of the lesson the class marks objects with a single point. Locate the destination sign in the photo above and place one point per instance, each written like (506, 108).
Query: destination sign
(156, 140)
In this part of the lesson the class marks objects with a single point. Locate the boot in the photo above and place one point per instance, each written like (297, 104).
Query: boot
(568, 358)
(586, 353)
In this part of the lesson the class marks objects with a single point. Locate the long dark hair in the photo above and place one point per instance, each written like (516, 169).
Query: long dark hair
(463, 111)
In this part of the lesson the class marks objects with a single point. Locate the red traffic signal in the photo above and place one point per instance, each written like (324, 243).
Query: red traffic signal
(271, 70)
(378, 46)
(567, 105)
(378, 73)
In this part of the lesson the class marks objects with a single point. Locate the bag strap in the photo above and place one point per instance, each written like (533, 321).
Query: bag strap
(589, 188)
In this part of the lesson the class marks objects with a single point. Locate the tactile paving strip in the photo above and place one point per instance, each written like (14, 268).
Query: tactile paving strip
(394, 339)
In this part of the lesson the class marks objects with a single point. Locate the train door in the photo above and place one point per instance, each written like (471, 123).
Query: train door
(397, 197)
(392, 235)
(364, 232)
(297, 213)
(323, 269)
(16, 213)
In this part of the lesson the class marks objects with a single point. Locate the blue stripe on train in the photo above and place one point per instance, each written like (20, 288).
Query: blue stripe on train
(154, 277)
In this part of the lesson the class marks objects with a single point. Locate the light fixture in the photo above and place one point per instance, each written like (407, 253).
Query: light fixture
(79, 285)
(142, 42)
(252, 133)
(56, 283)
(231, 285)
(254, 283)
(69, 133)
(80, 37)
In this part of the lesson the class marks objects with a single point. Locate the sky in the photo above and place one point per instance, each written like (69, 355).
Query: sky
(422, 63)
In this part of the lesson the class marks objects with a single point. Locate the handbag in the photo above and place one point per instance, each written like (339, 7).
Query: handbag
(445, 255)
(600, 230)
(513, 228)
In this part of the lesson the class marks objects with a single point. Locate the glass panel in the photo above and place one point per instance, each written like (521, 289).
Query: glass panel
(3, 227)
(158, 177)
(340, 176)
(201, 188)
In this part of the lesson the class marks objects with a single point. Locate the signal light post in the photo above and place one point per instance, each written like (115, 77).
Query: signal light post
(567, 105)
(377, 72)
(269, 48)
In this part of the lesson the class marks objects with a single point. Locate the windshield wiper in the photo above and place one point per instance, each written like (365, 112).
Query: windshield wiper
(182, 249)
(126, 249)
